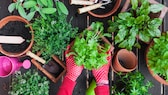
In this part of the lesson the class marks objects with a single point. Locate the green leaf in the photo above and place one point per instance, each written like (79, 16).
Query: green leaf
(11, 7)
(22, 11)
(44, 2)
(124, 15)
(50, 3)
(62, 7)
(155, 8)
(29, 4)
(48, 10)
(134, 4)
(165, 55)
(144, 37)
(30, 16)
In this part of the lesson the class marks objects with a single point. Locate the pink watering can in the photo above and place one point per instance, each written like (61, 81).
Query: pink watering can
(9, 65)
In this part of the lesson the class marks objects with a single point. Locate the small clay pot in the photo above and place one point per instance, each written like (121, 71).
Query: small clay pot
(112, 11)
(3, 22)
(124, 61)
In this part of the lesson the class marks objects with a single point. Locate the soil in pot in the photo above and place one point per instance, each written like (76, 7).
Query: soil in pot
(53, 67)
(16, 28)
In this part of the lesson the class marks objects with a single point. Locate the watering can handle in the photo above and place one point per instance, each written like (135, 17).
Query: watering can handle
(32, 55)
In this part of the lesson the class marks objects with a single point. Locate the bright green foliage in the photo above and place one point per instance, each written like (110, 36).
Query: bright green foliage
(133, 84)
(29, 83)
(28, 8)
(52, 35)
(158, 56)
(136, 22)
(87, 49)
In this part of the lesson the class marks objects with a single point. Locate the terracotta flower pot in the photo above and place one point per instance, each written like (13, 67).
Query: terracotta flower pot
(103, 15)
(124, 61)
(162, 14)
(47, 72)
(3, 22)
(155, 76)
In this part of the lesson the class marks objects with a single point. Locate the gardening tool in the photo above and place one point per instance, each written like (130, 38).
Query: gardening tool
(81, 2)
(9, 65)
(94, 6)
(11, 39)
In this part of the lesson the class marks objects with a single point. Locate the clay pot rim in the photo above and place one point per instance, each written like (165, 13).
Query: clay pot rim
(116, 6)
(155, 76)
(3, 22)
(124, 70)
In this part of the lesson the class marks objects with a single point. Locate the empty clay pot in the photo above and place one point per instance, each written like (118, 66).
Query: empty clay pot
(124, 61)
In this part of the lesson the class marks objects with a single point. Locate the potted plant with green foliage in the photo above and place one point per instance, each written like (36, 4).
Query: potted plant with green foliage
(157, 58)
(132, 83)
(29, 83)
(51, 37)
(136, 23)
(89, 49)
(28, 8)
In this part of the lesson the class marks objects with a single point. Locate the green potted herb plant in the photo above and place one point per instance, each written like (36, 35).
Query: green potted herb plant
(131, 83)
(51, 37)
(29, 83)
(136, 23)
(28, 8)
(89, 49)
(157, 58)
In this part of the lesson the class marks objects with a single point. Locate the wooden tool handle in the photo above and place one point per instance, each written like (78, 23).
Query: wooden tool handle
(81, 2)
(32, 55)
(89, 8)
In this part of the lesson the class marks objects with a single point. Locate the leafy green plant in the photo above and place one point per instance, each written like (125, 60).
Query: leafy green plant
(136, 23)
(29, 83)
(28, 8)
(158, 56)
(52, 35)
(133, 84)
(88, 50)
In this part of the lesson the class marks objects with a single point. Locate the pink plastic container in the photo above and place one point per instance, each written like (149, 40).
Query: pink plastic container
(9, 65)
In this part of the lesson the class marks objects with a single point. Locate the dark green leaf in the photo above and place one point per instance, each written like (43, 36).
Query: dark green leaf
(124, 15)
(62, 7)
(155, 8)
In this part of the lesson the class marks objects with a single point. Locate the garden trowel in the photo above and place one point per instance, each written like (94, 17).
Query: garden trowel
(11, 39)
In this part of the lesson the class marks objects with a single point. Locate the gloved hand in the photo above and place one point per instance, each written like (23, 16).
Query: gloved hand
(73, 71)
(101, 74)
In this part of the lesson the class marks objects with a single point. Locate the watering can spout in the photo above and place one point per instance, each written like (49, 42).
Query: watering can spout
(26, 64)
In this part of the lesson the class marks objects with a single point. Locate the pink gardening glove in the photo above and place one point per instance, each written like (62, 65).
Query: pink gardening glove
(73, 71)
(101, 74)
